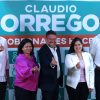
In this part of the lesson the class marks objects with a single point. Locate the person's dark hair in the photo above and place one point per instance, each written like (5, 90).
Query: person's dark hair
(71, 49)
(21, 45)
(50, 32)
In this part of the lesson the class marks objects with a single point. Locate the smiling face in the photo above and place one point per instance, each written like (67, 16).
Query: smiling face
(51, 40)
(27, 48)
(78, 46)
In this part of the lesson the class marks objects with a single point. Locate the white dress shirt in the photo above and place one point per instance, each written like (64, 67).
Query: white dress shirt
(53, 50)
(95, 49)
(3, 60)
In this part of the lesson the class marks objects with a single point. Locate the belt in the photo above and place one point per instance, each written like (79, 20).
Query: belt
(97, 67)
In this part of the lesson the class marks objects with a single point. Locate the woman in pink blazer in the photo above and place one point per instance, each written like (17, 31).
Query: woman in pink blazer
(27, 71)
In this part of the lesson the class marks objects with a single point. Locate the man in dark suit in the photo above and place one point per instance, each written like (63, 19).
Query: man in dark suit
(50, 72)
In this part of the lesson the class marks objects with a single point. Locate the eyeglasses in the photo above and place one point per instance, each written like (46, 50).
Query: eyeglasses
(52, 39)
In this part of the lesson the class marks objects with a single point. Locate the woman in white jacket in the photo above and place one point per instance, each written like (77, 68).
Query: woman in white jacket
(80, 71)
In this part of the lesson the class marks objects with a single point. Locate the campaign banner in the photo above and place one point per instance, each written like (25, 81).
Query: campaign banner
(31, 19)
(37, 17)
(39, 40)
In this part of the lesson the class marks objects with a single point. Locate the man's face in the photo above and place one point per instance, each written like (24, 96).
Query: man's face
(51, 40)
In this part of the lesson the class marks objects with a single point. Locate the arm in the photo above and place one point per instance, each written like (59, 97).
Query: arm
(91, 73)
(93, 48)
(36, 63)
(43, 58)
(22, 68)
(7, 60)
(69, 64)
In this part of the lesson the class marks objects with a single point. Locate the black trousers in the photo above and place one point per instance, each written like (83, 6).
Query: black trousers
(22, 94)
(50, 95)
(2, 90)
(80, 93)
(97, 83)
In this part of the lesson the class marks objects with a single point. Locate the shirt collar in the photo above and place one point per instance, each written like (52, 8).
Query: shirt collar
(55, 48)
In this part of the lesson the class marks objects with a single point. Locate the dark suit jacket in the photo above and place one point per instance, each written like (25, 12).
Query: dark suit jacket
(48, 76)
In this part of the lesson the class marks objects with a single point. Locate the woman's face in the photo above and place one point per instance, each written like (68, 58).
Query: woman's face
(78, 46)
(27, 48)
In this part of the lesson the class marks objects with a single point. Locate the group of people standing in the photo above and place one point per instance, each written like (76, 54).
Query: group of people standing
(48, 74)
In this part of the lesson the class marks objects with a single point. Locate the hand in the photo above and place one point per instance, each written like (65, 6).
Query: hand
(53, 62)
(78, 65)
(7, 77)
(8, 81)
(90, 89)
(35, 69)
(1, 48)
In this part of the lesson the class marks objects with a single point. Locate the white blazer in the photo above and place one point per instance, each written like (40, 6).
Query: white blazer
(73, 74)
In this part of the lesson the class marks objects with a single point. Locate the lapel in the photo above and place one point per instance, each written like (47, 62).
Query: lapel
(58, 53)
(84, 59)
(48, 51)
(50, 55)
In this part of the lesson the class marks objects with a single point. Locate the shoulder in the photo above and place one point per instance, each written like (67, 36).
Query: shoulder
(2, 38)
(86, 54)
(43, 48)
(20, 57)
(96, 38)
(57, 47)
(68, 56)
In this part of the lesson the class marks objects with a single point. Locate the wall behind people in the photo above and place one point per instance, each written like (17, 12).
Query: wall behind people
(31, 19)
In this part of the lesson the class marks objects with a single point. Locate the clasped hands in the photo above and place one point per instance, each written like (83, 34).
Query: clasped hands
(35, 69)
